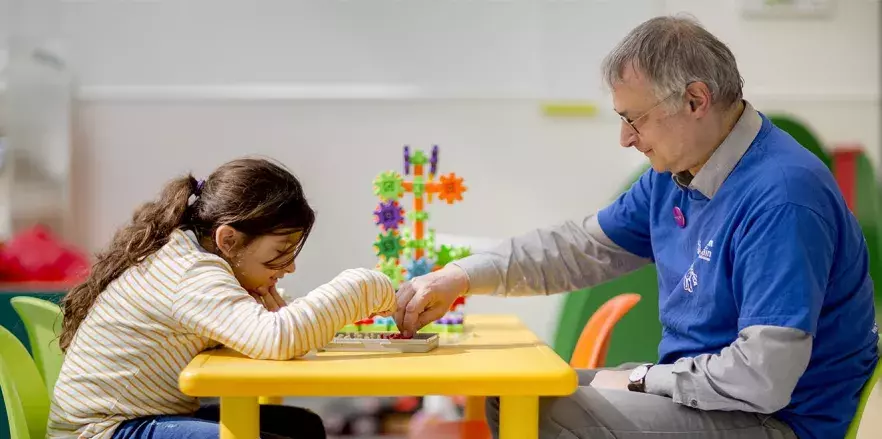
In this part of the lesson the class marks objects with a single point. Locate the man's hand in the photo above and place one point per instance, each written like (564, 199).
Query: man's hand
(269, 297)
(425, 299)
(611, 379)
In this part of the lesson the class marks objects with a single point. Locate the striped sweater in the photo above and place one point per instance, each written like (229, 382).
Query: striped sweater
(149, 323)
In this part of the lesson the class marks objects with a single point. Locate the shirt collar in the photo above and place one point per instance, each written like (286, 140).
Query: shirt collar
(728, 154)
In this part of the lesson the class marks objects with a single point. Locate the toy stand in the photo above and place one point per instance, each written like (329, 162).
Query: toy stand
(405, 253)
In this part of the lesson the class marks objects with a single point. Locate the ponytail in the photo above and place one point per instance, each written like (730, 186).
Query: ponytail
(151, 226)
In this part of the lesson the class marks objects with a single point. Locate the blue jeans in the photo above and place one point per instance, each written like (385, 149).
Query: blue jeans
(276, 422)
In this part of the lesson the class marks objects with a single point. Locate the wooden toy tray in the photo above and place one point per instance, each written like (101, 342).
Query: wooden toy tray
(381, 341)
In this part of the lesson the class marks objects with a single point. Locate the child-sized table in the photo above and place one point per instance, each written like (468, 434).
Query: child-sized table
(500, 357)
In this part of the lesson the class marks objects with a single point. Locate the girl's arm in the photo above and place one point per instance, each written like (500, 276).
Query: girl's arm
(211, 303)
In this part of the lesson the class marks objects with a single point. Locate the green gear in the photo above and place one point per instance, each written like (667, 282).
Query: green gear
(460, 252)
(389, 245)
(419, 158)
(430, 241)
(406, 237)
(393, 270)
(443, 255)
(417, 216)
(447, 254)
(388, 186)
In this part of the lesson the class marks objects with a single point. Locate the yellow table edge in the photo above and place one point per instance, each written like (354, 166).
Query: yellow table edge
(519, 401)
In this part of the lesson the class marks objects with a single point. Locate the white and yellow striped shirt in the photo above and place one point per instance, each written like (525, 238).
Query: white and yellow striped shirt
(149, 323)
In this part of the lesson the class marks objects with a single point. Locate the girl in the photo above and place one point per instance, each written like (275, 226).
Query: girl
(181, 278)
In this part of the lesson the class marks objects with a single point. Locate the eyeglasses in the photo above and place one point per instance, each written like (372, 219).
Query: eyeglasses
(631, 123)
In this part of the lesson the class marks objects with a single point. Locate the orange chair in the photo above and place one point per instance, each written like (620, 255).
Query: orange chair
(590, 353)
(593, 344)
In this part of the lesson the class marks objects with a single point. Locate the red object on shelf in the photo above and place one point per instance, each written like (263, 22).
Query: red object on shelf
(35, 256)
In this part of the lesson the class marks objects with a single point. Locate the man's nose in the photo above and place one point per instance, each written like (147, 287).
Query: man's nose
(627, 136)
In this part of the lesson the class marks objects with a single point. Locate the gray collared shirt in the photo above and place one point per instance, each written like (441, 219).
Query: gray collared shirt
(756, 373)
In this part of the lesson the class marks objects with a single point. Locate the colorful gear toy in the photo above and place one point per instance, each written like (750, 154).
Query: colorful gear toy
(417, 216)
(451, 188)
(389, 186)
(406, 237)
(389, 215)
(389, 245)
(419, 158)
(460, 252)
(419, 267)
(443, 255)
(447, 254)
(393, 270)
(418, 186)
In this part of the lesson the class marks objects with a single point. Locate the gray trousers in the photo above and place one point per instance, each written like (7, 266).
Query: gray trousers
(621, 414)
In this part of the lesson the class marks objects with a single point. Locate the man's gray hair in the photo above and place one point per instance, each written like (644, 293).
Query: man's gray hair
(672, 52)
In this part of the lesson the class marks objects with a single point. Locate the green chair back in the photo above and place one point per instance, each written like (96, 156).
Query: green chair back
(24, 394)
(42, 320)
(802, 134)
(869, 214)
(862, 404)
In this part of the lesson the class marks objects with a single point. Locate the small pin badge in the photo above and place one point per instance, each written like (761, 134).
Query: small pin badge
(679, 217)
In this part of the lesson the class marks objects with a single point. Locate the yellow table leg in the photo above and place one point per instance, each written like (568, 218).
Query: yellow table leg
(239, 418)
(518, 417)
(474, 408)
(271, 400)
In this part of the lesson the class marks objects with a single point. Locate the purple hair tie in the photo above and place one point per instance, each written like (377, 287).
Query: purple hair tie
(199, 187)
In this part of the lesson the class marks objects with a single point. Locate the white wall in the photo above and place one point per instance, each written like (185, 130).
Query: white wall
(522, 169)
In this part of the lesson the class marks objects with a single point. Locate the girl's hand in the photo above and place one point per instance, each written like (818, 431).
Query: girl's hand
(269, 297)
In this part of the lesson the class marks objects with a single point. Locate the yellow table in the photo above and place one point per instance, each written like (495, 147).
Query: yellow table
(499, 357)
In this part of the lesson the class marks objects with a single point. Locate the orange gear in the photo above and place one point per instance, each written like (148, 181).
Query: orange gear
(451, 188)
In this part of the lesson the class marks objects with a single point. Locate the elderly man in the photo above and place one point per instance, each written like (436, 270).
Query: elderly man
(764, 293)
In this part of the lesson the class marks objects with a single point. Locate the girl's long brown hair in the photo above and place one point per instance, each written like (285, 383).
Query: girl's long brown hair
(254, 196)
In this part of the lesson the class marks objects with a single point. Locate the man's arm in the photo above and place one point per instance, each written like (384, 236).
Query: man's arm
(570, 256)
(782, 262)
(757, 373)
(567, 257)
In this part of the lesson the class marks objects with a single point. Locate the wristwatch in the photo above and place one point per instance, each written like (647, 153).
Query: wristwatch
(637, 380)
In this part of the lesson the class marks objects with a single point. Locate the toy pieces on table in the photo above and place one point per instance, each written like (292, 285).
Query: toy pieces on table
(352, 327)
(451, 322)
(374, 324)
(384, 342)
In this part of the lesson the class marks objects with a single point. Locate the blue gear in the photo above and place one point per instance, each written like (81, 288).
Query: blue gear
(419, 267)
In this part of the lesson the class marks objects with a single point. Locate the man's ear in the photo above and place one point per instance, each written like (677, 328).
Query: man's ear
(227, 239)
(699, 96)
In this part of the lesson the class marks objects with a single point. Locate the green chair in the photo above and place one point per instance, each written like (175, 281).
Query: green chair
(802, 134)
(862, 404)
(42, 320)
(24, 394)
(868, 211)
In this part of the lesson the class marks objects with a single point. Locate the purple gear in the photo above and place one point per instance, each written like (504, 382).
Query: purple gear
(406, 160)
(434, 160)
(389, 215)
